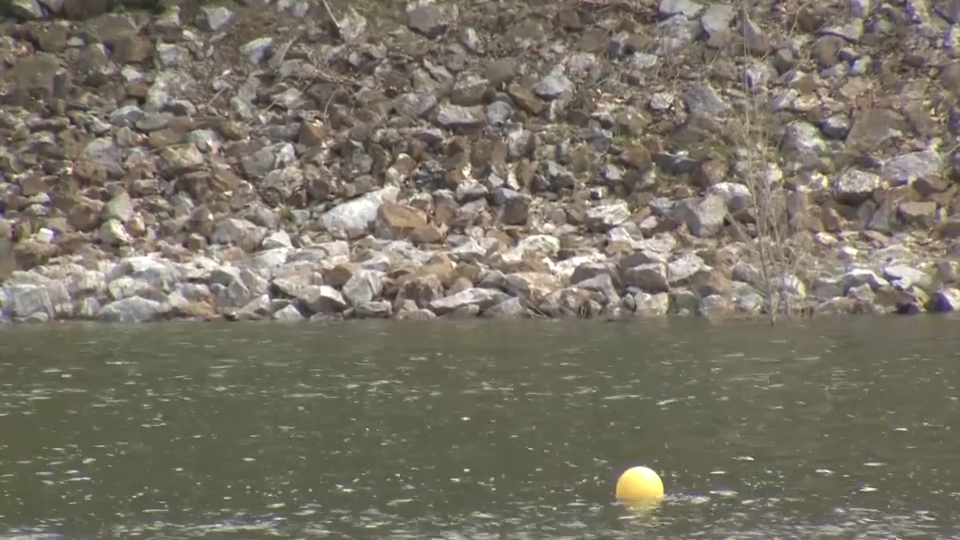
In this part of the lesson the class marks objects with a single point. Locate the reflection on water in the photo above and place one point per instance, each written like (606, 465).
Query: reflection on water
(479, 430)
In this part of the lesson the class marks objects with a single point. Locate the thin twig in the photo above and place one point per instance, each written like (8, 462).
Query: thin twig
(337, 29)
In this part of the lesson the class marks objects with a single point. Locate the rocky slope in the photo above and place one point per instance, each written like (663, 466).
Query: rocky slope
(293, 159)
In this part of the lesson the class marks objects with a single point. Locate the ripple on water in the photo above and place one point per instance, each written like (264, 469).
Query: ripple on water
(238, 436)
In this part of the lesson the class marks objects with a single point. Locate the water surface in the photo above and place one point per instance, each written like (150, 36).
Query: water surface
(480, 430)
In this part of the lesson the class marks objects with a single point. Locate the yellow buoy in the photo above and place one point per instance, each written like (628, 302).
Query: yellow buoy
(640, 485)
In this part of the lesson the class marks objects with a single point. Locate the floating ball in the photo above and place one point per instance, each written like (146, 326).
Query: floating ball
(640, 485)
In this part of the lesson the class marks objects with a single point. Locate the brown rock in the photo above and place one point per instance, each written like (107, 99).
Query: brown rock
(445, 211)
(875, 237)
(710, 282)
(831, 219)
(950, 77)
(826, 50)
(195, 242)
(920, 214)
(80, 9)
(501, 71)
(421, 290)
(83, 214)
(29, 253)
(32, 185)
(927, 187)
(428, 234)
(709, 173)
(459, 284)
(525, 100)
(8, 261)
(194, 310)
(400, 220)
(50, 38)
(340, 274)
(163, 138)
(312, 134)
(872, 128)
(637, 157)
(949, 230)
(132, 50)
(206, 186)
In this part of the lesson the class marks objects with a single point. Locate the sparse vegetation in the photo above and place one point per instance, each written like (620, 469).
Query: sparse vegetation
(757, 155)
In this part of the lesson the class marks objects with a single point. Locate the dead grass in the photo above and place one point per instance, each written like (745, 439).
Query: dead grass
(758, 139)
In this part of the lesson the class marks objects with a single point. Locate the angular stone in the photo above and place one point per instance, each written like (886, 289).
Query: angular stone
(482, 298)
(131, 310)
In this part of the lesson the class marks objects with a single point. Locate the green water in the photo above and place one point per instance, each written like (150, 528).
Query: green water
(479, 430)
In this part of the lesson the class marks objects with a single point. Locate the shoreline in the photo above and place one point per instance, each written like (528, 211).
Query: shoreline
(588, 159)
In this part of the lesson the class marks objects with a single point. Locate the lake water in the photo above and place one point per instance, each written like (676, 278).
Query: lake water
(833, 429)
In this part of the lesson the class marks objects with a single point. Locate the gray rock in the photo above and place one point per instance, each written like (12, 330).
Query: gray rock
(238, 232)
(591, 269)
(26, 9)
(736, 197)
(104, 152)
(651, 305)
(906, 277)
(214, 18)
(289, 313)
(749, 301)
(946, 300)
(703, 99)
(605, 216)
(156, 272)
(687, 8)
(432, 20)
(276, 240)
(329, 301)
(854, 186)
(675, 34)
(907, 168)
(852, 31)
(859, 277)
(703, 218)
(120, 208)
(415, 104)
(650, 278)
(260, 306)
(237, 293)
(516, 206)
(603, 284)
(378, 309)
(872, 128)
(836, 126)
(41, 301)
(482, 298)
(259, 163)
(126, 115)
(113, 233)
(716, 20)
(131, 310)
(581, 64)
(259, 50)
(172, 56)
(511, 308)
(716, 306)
(680, 270)
(455, 116)
(498, 113)
(553, 86)
(802, 139)
(356, 216)
(176, 161)
(363, 287)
